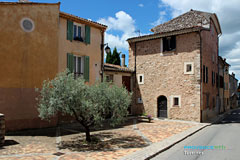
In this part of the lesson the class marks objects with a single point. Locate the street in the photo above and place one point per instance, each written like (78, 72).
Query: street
(219, 141)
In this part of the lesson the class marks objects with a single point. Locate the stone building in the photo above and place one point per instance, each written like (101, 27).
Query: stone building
(233, 87)
(176, 68)
(37, 42)
(220, 81)
(119, 75)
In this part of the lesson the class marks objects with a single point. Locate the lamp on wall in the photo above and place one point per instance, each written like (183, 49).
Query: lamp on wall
(107, 48)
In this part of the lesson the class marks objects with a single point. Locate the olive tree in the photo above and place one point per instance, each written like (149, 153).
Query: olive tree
(90, 105)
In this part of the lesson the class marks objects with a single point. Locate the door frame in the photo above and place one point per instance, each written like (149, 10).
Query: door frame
(158, 107)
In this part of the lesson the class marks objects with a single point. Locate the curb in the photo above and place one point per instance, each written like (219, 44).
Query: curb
(156, 148)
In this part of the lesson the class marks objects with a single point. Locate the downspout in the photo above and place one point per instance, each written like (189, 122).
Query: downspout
(201, 87)
(218, 78)
(102, 54)
(135, 73)
(223, 86)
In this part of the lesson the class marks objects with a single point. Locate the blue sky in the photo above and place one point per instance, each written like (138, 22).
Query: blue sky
(124, 17)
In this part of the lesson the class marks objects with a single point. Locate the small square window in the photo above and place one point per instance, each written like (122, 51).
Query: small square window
(140, 79)
(176, 101)
(188, 68)
(109, 78)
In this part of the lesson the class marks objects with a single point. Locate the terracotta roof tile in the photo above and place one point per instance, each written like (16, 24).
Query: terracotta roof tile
(117, 68)
(190, 19)
(67, 15)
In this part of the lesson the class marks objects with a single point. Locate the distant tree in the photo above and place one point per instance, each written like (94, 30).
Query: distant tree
(113, 58)
(90, 105)
(116, 57)
(109, 57)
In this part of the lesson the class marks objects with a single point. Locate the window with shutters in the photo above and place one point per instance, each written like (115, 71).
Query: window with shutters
(213, 78)
(79, 65)
(205, 74)
(78, 32)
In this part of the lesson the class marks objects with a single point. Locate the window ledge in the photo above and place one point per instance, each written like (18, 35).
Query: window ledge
(176, 106)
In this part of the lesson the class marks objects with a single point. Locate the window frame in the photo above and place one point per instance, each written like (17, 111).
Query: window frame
(185, 67)
(111, 78)
(77, 37)
(138, 78)
(76, 71)
(171, 42)
(173, 97)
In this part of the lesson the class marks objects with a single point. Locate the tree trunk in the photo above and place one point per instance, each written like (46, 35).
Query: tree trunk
(88, 137)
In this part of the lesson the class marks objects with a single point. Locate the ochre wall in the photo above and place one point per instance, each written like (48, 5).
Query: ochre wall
(26, 60)
(93, 50)
(117, 77)
(164, 75)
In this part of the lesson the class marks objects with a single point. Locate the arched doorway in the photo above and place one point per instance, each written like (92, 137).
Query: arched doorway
(162, 106)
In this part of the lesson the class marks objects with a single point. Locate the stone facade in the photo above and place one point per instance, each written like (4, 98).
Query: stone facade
(210, 62)
(163, 74)
(233, 86)
(2, 129)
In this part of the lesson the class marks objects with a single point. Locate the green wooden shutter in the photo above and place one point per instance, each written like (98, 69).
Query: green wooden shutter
(86, 68)
(87, 34)
(69, 30)
(70, 59)
(71, 63)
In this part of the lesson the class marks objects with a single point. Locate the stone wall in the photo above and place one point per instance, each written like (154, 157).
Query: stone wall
(210, 105)
(164, 76)
(2, 129)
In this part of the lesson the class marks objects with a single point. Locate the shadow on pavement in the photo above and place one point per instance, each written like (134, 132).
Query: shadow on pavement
(70, 128)
(9, 143)
(106, 141)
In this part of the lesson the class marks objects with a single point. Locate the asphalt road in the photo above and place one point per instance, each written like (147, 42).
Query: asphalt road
(221, 142)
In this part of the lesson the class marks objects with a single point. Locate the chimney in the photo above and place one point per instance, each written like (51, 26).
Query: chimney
(233, 74)
(123, 60)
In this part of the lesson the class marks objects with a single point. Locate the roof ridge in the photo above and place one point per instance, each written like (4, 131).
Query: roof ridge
(83, 19)
(170, 20)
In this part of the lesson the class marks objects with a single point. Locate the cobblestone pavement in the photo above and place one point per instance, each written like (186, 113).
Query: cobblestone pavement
(68, 143)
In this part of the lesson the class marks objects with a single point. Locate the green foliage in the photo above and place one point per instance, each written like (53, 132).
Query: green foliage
(108, 58)
(113, 58)
(116, 57)
(90, 105)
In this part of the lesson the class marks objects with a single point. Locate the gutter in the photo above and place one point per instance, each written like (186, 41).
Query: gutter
(102, 54)
(201, 88)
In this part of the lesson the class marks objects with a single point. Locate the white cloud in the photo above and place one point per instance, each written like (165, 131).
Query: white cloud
(141, 5)
(228, 13)
(162, 18)
(123, 23)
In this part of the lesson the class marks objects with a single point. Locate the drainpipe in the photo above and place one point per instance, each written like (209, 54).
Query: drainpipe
(223, 86)
(218, 87)
(201, 86)
(102, 54)
(135, 73)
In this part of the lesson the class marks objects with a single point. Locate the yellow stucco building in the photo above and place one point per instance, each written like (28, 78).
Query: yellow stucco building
(37, 42)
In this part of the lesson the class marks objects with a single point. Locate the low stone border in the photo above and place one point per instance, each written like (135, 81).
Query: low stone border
(2, 129)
